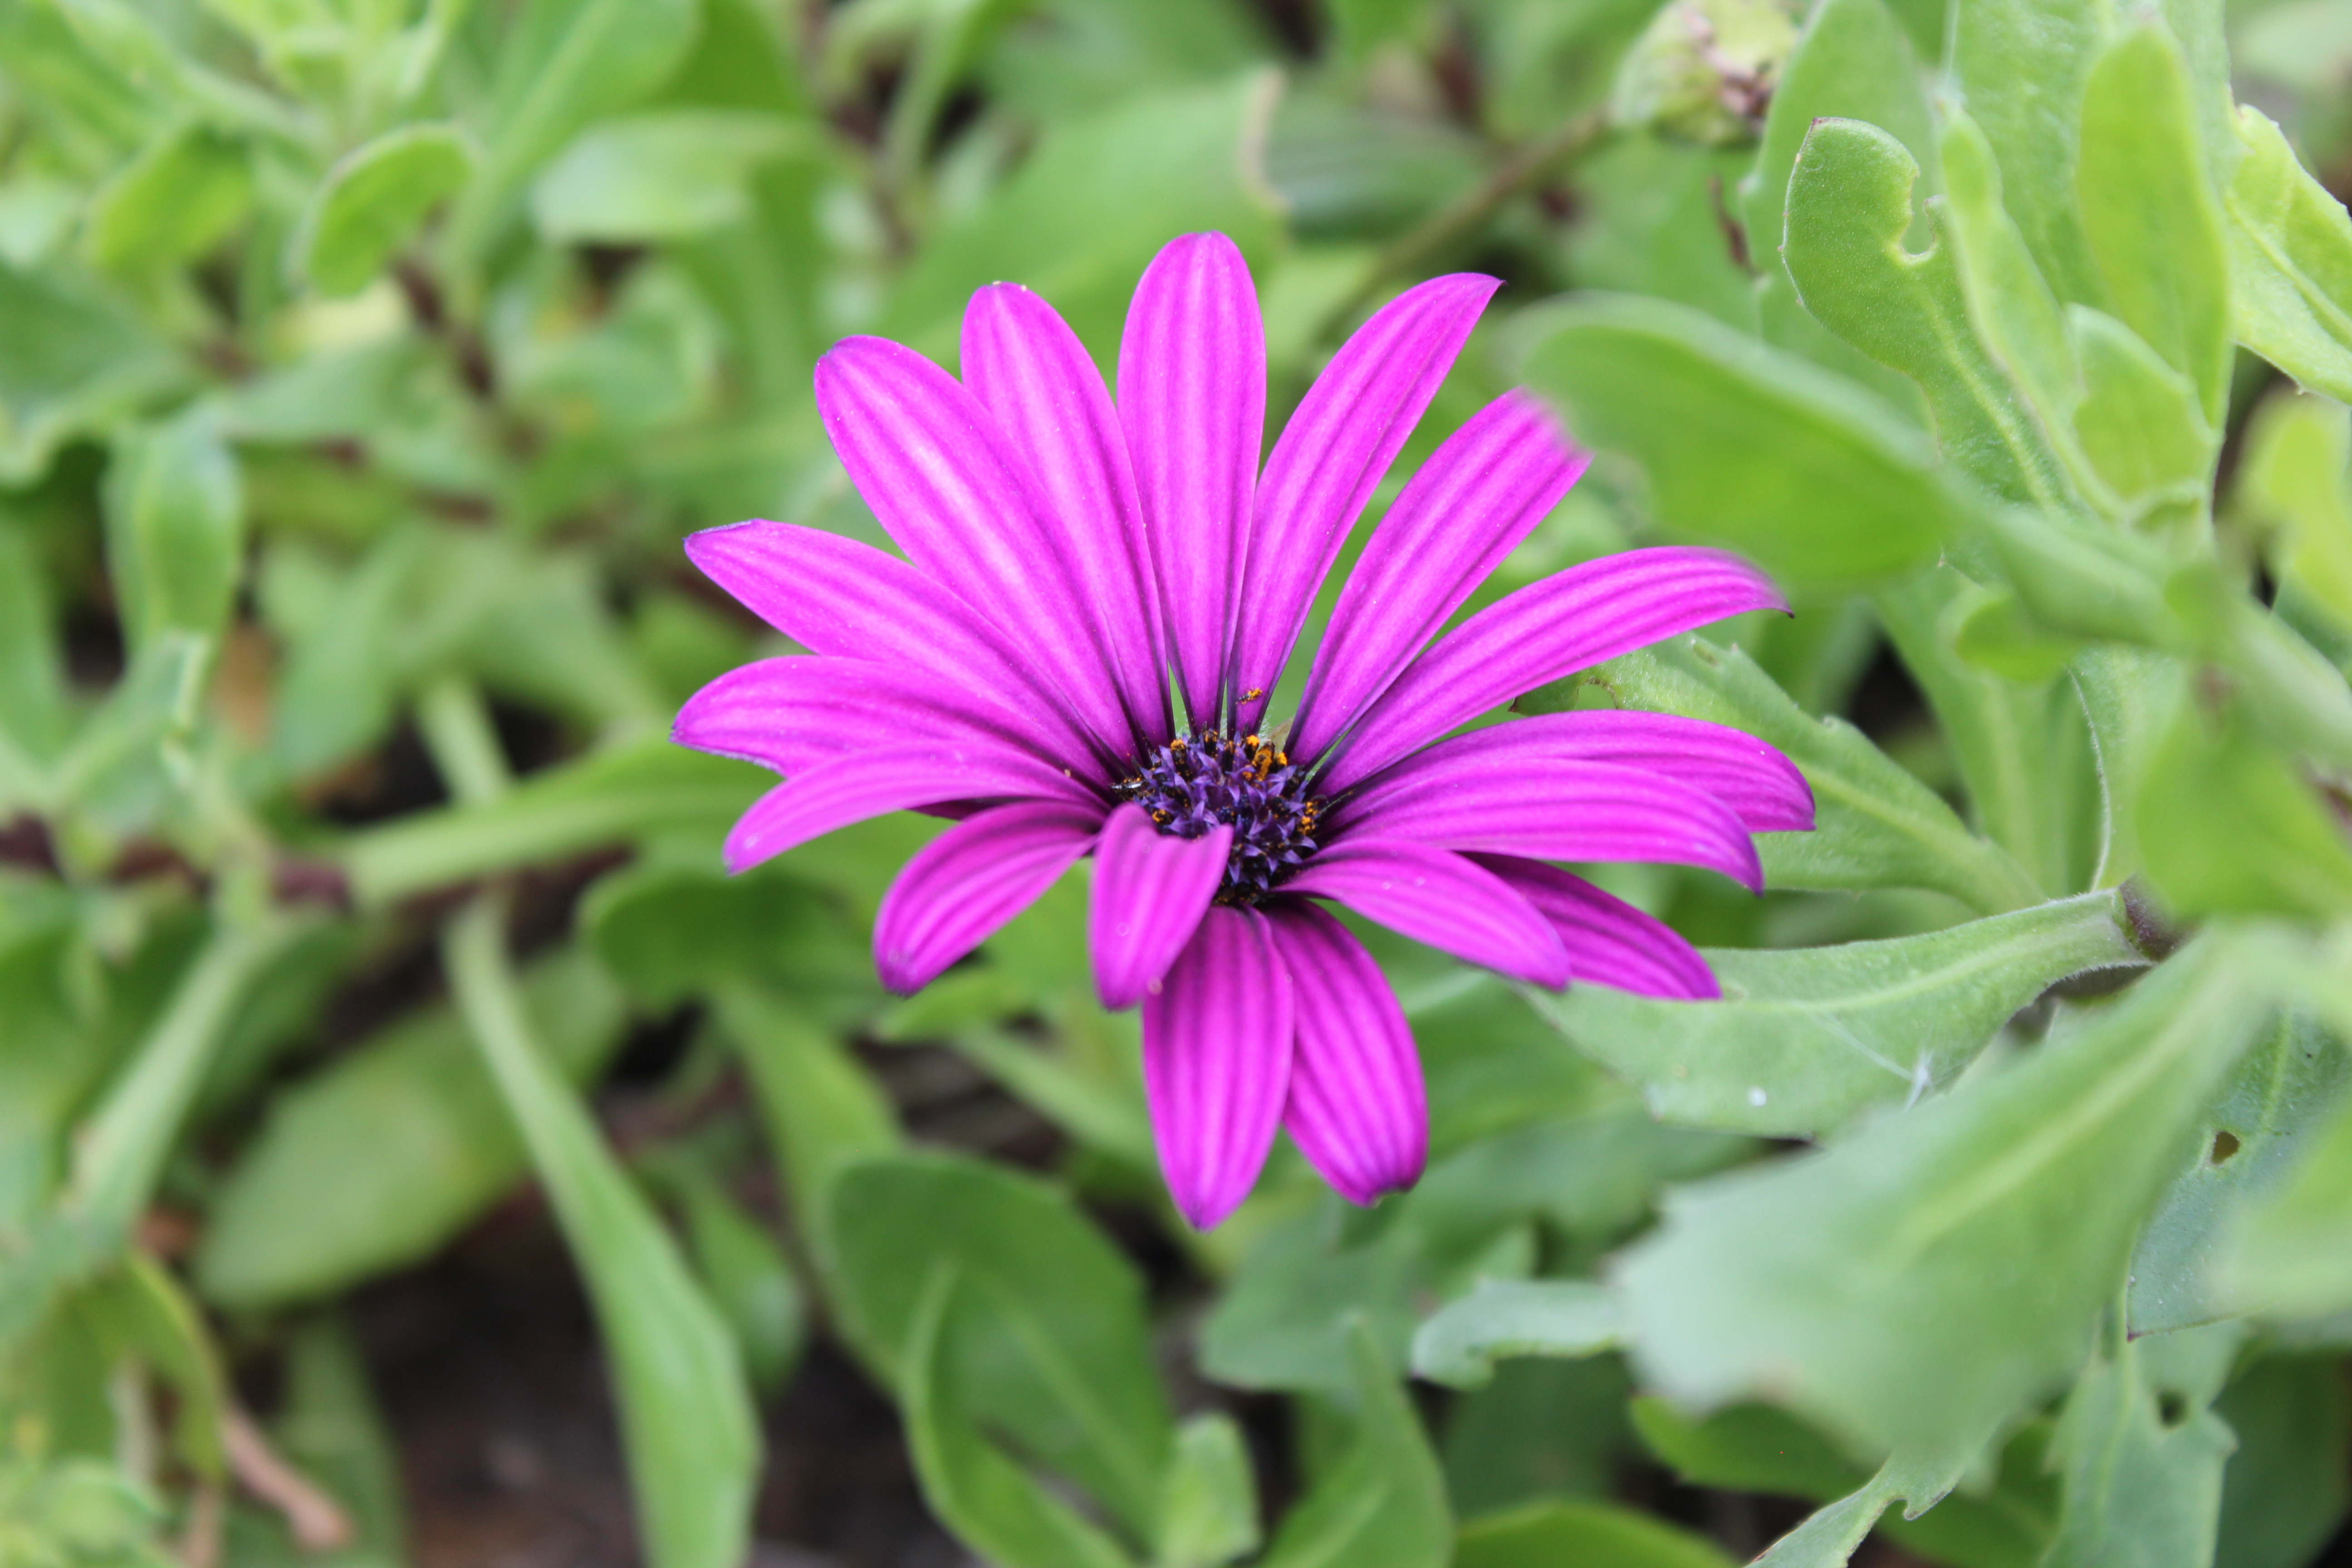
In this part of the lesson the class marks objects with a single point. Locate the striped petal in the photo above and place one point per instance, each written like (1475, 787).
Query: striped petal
(1191, 398)
(1567, 811)
(1331, 458)
(930, 462)
(1762, 787)
(1216, 1063)
(1356, 1110)
(839, 597)
(1030, 372)
(1150, 890)
(1570, 621)
(961, 887)
(1468, 508)
(1437, 896)
(792, 713)
(1610, 941)
(895, 778)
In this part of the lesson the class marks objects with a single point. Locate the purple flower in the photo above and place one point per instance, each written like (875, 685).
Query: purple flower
(1076, 656)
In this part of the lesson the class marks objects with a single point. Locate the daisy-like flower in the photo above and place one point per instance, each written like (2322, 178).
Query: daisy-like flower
(1075, 658)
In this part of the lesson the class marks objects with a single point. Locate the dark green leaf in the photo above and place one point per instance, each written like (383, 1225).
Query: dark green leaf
(1591, 1535)
(1382, 1505)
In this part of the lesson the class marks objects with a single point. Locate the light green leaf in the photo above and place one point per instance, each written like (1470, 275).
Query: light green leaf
(686, 1420)
(2288, 1254)
(2293, 480)
(1828, 1537)
(1807, 1039)
(1382, 1504)
(1502, 1317)
(298, 1218)
(988, 1499)
(1048, 1341)
(1876, 826)
(172, 204)
(2140, 1488)
(662, 174)
(2290, 262)
(610, 796)
(1849, 207)
(1918, 1284)
(1208, 1498)
(72, 359)
(2138, 425)
(1990, 629)
(2275, 1104)
(1590, 1534)
(2287, 852)
(2020, 66)
(371, 201)
(564, 64)
(2150, 217)
(174, 526)
(1091, 206)
(1799, 468)
(2128, 695)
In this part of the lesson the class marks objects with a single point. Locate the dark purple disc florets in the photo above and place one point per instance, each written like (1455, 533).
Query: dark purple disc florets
(1194, 783)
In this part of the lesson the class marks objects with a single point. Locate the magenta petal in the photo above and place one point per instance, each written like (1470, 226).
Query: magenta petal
(931, 463)
(1357, 1109)
(1028, 369)
(1191, 398)
(1150, 890)
(1563, 810)
(1216, 1062)
(895, 778)
(967, 882)
(1609, 941)
(1346, 432)
(794, 713)
(1468, 508)
(839, 597)
(1570, 621)
(1438, 896)
(1761, 786)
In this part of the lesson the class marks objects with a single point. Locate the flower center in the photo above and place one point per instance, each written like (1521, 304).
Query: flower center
(1193, 783)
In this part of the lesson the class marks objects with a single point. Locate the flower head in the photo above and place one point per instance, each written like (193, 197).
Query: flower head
(1076, 656)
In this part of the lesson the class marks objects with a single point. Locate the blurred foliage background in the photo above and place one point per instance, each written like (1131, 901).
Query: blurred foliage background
(413, 1149)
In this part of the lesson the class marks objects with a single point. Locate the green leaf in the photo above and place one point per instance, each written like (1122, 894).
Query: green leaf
(992, 1503)
(1852, 60)
(1990, 629)
(1502, 1317)
(1849, 207)
(1382, 1504)
(672, 933)
(686, 1420)
(564, 64)
(2153, 226)
(2270, 1114)
(33, 715)
(298, 1218)
(1807, 1039)
(174, 526)
(1591, 1534)
(2138, 425)
(613, 794)
(749, 1280)
(1828, 1537)
(1817, 481)
(2288, 851)
(1876, 826)
(2285, 1489)
(331, 1423)
(1921, 1282)
(2139, 1488)
(371, 201)
(1208, 1498)
(1758, 1449)
(2292, 480)
(72, 359)
(662, 174)
(2020, 66)
(2290, 262)
(1093, 203)
(1048, 1342)
(172, 204)
(2128, 697)
(2288, 1254)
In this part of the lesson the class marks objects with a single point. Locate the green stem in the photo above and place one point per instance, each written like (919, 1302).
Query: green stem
(456, 725)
